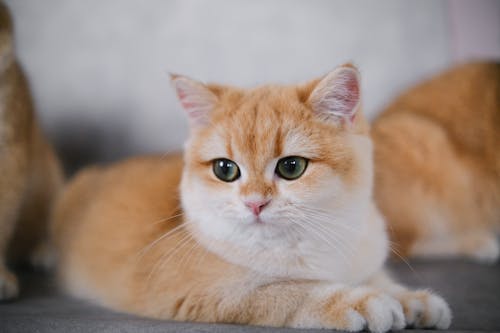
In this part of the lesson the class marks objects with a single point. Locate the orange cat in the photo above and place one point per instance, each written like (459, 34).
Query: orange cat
(273, 225)
(29, 171)
(437, 158)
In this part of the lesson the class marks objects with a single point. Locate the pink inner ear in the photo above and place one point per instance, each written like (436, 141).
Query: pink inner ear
(180, 94)
(195, 98)
(337, 96)
(346, 94)
(189, 106)
(353, 87)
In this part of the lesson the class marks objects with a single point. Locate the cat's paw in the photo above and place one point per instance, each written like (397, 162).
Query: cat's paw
(423, 309)
(363, 308)
(8, 285)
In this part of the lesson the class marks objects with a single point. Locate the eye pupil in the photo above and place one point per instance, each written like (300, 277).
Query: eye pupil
(291, 167)
(226, 170)
(224, 167)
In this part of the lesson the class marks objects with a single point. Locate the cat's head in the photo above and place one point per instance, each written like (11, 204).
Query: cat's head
(271, 167)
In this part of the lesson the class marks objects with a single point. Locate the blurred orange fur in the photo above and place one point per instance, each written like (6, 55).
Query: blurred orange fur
(30, 174)
(437, 161)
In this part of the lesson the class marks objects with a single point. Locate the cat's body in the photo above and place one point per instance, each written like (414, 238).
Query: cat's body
(437, 159)
(29, 171)
(249, 238)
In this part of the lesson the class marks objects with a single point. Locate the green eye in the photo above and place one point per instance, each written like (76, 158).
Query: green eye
(291, 167)
(226, 170)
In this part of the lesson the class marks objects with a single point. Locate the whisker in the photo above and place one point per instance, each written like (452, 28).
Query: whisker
(148, 247)
(166, 219)
(404, 260)
(168, 255)
(322, 237)
(317, 223)
(325, 216)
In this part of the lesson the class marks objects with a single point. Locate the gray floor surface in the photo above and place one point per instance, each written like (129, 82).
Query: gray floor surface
(472, 290)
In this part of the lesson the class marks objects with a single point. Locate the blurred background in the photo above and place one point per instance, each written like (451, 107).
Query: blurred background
(99, 68)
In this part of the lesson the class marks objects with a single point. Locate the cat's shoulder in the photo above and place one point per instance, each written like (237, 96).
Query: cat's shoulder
(144, 168)
(145, 163)
(130, 180)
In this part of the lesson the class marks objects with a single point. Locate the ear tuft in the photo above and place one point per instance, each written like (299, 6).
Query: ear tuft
(195, 97)
(337, 95)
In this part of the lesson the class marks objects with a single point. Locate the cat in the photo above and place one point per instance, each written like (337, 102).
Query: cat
(437, 162)
(267, 219)
(30, 175)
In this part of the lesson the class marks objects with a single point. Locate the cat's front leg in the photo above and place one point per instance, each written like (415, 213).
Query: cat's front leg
(350, 308)
(10, 198)
(422, 308)
(298, 304)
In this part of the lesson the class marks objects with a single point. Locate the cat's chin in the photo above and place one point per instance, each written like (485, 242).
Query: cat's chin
(261, 222)
(252, 220)
(258, 220)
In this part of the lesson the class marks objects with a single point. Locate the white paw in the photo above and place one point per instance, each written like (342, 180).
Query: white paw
(384, 313)
(488, 251)
(426, 310)
(8, 285)
(362, 308)
(355, 322)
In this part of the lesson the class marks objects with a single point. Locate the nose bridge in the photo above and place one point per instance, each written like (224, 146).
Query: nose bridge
(256, 186)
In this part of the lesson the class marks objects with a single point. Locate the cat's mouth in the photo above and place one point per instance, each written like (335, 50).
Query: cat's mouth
(258, 221)
(264, 221)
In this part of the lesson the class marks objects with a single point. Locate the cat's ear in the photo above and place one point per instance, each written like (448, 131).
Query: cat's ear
(336, 96)
(196, 98)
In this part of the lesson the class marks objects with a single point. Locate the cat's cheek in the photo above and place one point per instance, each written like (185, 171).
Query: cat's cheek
(318, 184)
(209, 204)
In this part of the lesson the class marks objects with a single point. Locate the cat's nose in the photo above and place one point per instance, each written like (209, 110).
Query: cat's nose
(256, 206)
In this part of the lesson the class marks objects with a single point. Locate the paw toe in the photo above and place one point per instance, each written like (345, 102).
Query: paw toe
(355, 321)
(384, 313)
(439, 312)
(426, 310)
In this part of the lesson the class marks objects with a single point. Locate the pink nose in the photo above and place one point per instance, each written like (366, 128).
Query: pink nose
(257, 206)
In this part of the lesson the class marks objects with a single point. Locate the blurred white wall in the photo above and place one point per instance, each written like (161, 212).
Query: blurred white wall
(99, 67)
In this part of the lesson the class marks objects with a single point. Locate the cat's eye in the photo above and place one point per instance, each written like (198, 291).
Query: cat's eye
(291, 167)
(226, 170)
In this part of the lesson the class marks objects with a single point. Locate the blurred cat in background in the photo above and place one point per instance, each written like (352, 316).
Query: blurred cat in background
(437, 165)
(274, 224)
(30, 175)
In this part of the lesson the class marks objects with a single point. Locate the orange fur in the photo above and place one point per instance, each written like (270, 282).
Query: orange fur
(437, 161)
(129, 239)
(30, 175)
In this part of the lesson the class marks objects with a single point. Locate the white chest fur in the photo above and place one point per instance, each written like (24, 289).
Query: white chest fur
(350, 257)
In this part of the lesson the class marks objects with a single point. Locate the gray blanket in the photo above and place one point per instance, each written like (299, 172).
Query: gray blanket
(472, 290)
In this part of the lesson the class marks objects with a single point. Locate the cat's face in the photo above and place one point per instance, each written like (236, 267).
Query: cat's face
(271, 167)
